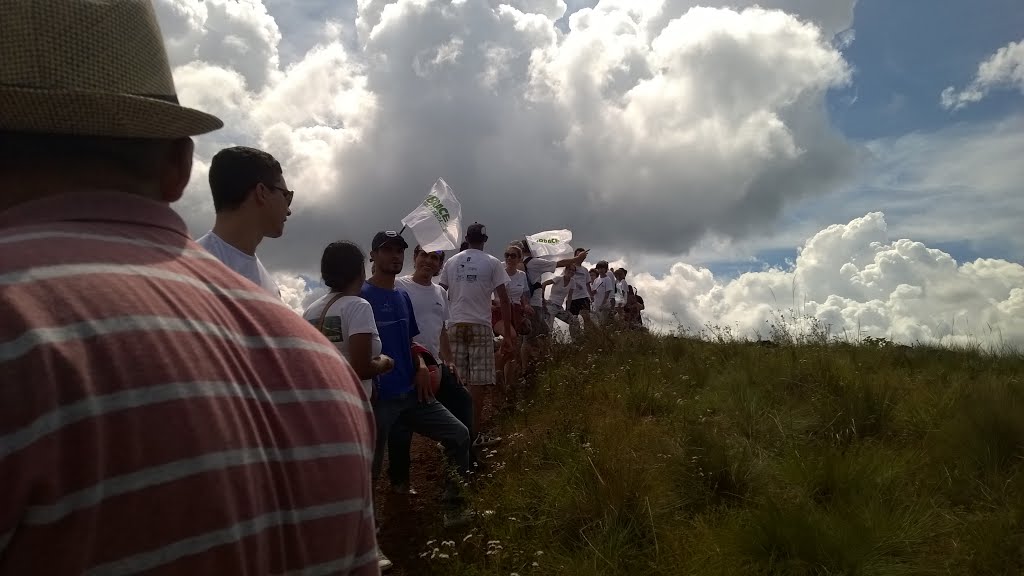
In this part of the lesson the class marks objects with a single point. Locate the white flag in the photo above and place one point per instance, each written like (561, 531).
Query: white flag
(550, 243)
(437, 221)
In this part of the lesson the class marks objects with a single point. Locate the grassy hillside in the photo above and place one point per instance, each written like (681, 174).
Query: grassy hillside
(644, 455)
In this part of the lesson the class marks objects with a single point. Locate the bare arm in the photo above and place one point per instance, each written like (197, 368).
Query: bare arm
(360, 347)
(506, 309)
(446, 349)
(575, 261)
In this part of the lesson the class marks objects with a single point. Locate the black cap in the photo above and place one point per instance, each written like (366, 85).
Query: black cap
(387, 236)
(476, 232)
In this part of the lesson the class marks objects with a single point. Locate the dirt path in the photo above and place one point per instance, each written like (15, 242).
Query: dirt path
(403, 518)
(407, 523)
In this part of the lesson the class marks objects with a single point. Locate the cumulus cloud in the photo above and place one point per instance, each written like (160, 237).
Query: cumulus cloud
(1003, 69)
(623, 121)
(294, 290)
(648, 127)
(859, 282)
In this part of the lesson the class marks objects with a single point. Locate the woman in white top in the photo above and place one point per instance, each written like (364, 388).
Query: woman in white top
(561, 294)
(518, 295)
(345, 318)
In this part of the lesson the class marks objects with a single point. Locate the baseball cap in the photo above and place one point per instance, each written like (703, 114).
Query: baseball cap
(476, 232)
(385, 236)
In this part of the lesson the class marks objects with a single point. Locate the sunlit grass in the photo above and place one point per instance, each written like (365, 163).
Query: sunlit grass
(644, 454)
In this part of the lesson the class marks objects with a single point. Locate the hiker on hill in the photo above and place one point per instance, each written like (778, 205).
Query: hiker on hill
(621, 294)
(431, 308)
(404, 394)
(509, 365)
(344, 317)
(604, 288)
(470, 277)
(535, 268)
(582, 296)
(561, 294)
(252, 202)
(159, 412)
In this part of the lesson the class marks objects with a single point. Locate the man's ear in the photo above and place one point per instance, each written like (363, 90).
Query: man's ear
(260, 193)
(177, 169)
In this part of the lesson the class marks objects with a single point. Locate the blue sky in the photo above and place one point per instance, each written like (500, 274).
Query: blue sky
(903, 55)
(906, 51)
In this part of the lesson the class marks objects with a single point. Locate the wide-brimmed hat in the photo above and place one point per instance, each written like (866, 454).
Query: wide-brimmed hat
(89, 68)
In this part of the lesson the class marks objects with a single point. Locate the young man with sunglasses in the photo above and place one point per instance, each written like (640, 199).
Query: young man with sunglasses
(252, 202)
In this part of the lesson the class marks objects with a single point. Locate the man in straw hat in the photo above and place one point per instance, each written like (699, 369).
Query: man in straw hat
(157, 410)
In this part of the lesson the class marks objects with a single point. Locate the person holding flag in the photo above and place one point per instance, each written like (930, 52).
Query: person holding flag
(536, 268)
(405, 392)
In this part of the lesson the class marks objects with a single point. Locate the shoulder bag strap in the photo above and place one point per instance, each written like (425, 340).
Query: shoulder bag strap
(323, 313)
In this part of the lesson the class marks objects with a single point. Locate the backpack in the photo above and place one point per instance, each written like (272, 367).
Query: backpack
(526, 269)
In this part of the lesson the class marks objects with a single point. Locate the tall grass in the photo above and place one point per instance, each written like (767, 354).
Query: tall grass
(644, 454)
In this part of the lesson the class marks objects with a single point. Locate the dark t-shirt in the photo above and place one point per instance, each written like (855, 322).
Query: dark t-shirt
(396, 324)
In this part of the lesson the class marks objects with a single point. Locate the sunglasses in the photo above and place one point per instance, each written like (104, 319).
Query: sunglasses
(511, 255)
(288, 194)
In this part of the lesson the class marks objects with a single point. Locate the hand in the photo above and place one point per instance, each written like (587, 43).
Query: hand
(387, 363)
(581, 257)
(527, 310)
(451, 366)
(422, 380)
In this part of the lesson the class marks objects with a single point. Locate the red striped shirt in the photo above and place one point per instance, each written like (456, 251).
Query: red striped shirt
(160, 413)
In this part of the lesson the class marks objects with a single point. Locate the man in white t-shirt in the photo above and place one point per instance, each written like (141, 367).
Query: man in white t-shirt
(582, 295)
(470, 277)
(535, 268)
(559, 296)
(252, 202)
(621, 293)
(430, 305)
(604, 288)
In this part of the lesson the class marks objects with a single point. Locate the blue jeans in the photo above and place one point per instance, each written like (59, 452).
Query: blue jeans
(405, 414)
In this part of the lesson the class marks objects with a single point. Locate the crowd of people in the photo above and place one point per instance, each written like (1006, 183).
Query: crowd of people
(160, 407)
(424, 345)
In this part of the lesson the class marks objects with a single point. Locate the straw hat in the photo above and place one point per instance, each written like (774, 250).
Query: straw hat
(89, 68)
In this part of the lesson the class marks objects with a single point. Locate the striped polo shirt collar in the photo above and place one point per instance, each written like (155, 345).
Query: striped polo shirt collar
(95, 206)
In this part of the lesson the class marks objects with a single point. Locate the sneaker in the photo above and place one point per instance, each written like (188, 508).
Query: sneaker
(485, 440)
(383, 564)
